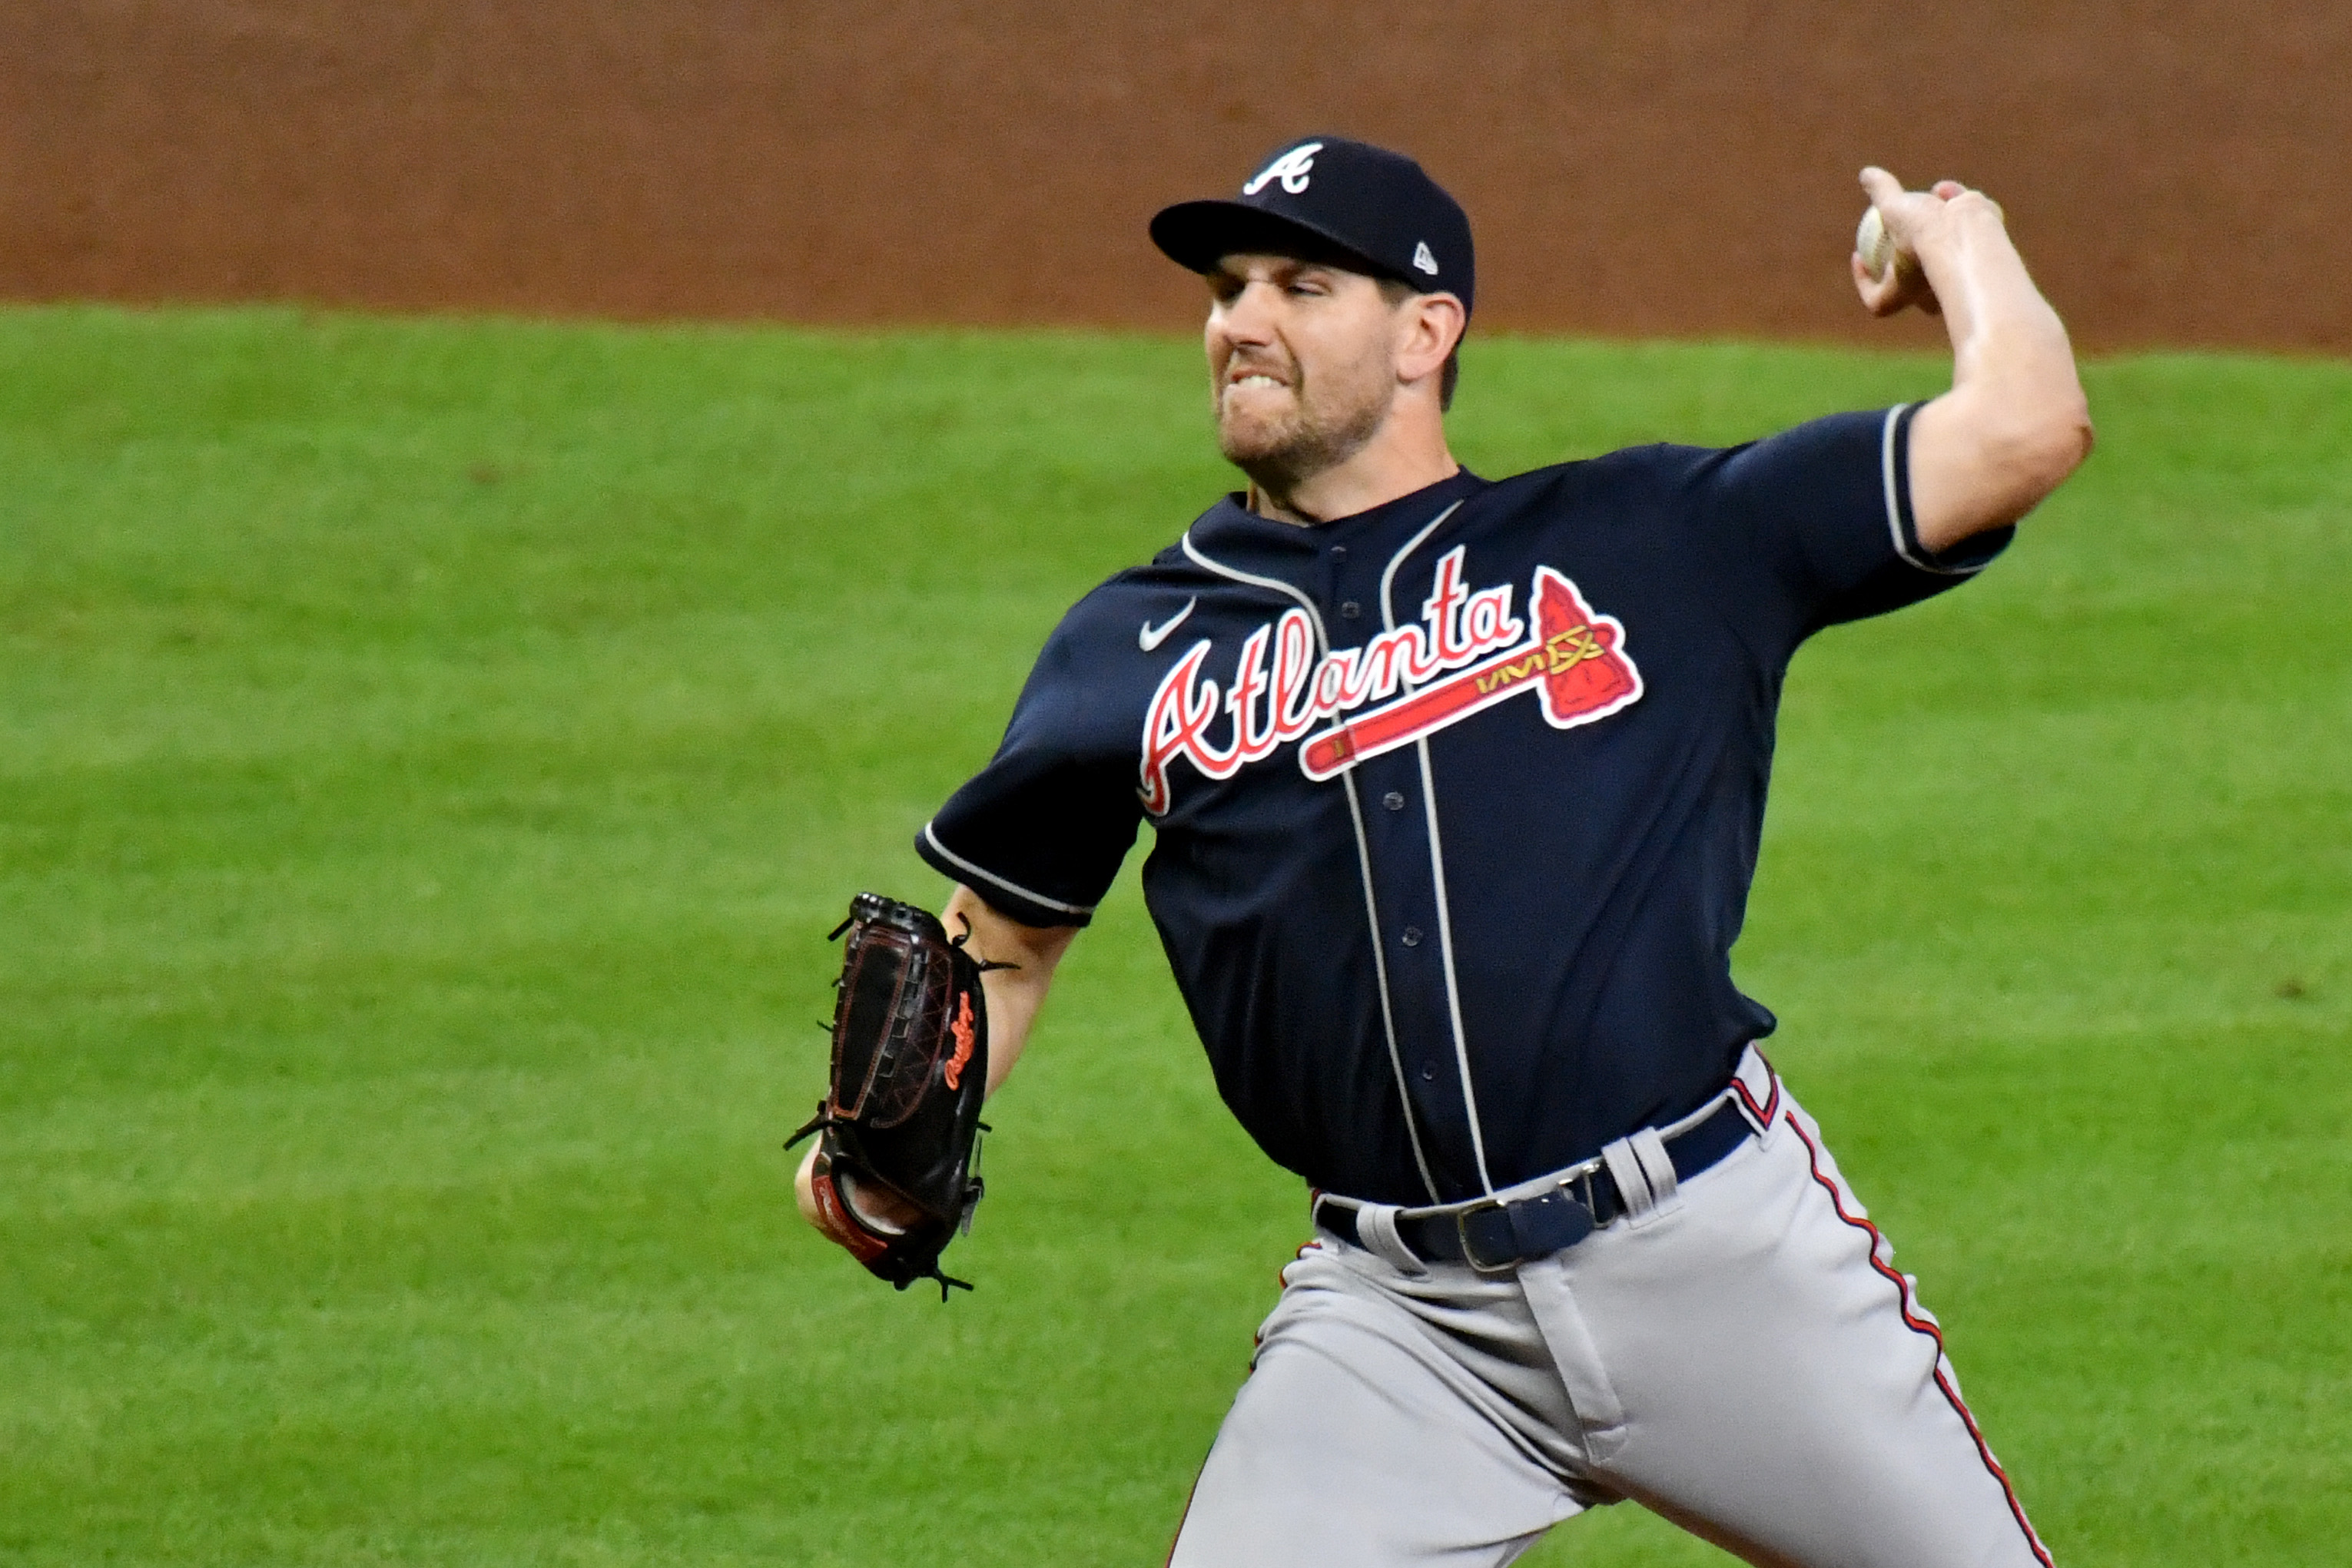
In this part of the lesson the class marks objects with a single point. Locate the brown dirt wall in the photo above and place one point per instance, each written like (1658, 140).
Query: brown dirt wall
(2175, 173)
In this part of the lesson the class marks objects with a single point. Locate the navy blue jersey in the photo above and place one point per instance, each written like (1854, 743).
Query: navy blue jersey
(1456, 801)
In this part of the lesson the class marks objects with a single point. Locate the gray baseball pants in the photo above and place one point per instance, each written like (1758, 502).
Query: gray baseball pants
(1738, 1352)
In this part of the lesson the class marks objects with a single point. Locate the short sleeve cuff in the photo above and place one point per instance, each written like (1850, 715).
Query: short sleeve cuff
(1006, 897)
(1966, 558)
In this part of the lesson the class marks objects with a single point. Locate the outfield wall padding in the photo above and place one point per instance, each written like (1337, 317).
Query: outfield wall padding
(2175, 172)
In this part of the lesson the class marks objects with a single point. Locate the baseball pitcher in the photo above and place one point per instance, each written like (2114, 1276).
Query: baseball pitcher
(1455, 786)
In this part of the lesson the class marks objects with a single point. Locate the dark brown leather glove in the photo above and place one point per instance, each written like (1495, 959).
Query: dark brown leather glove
(909, 1071)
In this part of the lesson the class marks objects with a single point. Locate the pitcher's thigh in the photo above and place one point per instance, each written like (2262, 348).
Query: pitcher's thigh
(1786, 1394)
(1352, 1446)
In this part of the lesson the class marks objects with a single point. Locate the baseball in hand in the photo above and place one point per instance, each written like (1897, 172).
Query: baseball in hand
(1878, 250)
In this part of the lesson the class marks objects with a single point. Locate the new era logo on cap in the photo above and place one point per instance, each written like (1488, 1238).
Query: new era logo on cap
(1332, 199)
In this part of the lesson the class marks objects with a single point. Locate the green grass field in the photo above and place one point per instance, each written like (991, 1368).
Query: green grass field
(431, 755)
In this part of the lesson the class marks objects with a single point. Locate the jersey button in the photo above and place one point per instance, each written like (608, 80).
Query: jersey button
(1413, 935)
(1339, 552)
(1351, 610)
(1428, 1073)
(1394, 801)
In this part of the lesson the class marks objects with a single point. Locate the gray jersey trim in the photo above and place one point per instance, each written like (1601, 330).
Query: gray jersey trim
(1437, 871)
(1388, 574)
(1363, 858)
(994, 880)
(1906, 542)
(1445, 950)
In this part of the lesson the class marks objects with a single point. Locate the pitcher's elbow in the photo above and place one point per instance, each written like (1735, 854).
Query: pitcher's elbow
(2044, 445)
(2078, 434)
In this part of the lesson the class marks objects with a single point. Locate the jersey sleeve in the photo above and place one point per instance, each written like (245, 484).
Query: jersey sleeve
(1040, 832)
(1813, 526)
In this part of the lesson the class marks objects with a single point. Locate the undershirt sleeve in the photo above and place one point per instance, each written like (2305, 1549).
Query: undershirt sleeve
(1039, 833)
(1813, 526)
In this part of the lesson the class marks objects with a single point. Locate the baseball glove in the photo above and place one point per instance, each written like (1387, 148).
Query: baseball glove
(909, 1070)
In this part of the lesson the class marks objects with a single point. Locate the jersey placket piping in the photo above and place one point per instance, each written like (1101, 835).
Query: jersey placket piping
(1437, 868)
(1363, 859)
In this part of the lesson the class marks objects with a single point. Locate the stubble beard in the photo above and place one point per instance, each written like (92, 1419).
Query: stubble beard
(1320, 429)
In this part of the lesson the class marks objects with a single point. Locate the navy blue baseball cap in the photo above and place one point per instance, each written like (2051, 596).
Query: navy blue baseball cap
(1328, 198)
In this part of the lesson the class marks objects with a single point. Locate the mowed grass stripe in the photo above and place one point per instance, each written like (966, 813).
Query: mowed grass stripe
(431, 752)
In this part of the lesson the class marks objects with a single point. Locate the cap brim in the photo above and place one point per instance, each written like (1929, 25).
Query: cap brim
(1196, 235)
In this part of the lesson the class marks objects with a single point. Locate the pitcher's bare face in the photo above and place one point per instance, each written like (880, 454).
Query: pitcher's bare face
(1301, 365)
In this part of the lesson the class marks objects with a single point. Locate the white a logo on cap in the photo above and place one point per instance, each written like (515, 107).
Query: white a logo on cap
(1424, 260)
(1292, 169)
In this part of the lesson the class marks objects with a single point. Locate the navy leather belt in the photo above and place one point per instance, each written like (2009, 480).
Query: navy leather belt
(1494, 1237)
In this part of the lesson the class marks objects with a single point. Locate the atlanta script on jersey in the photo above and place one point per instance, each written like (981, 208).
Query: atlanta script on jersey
(1573, 658)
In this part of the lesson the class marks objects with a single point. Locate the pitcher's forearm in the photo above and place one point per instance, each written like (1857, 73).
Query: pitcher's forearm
(1988, 301)
(1014, 995)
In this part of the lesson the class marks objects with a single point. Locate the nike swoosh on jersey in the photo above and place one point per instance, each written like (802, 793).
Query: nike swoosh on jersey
(1149, 637)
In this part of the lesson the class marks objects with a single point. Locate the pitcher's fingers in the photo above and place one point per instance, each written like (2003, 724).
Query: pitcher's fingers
(1882, 187)
(1880, 296)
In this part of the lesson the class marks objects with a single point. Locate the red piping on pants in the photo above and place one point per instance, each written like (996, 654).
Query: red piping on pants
(1762, 1113)
(1919, 1326)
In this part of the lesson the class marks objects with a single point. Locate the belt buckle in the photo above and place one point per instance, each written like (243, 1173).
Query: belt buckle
(1462, 1229)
